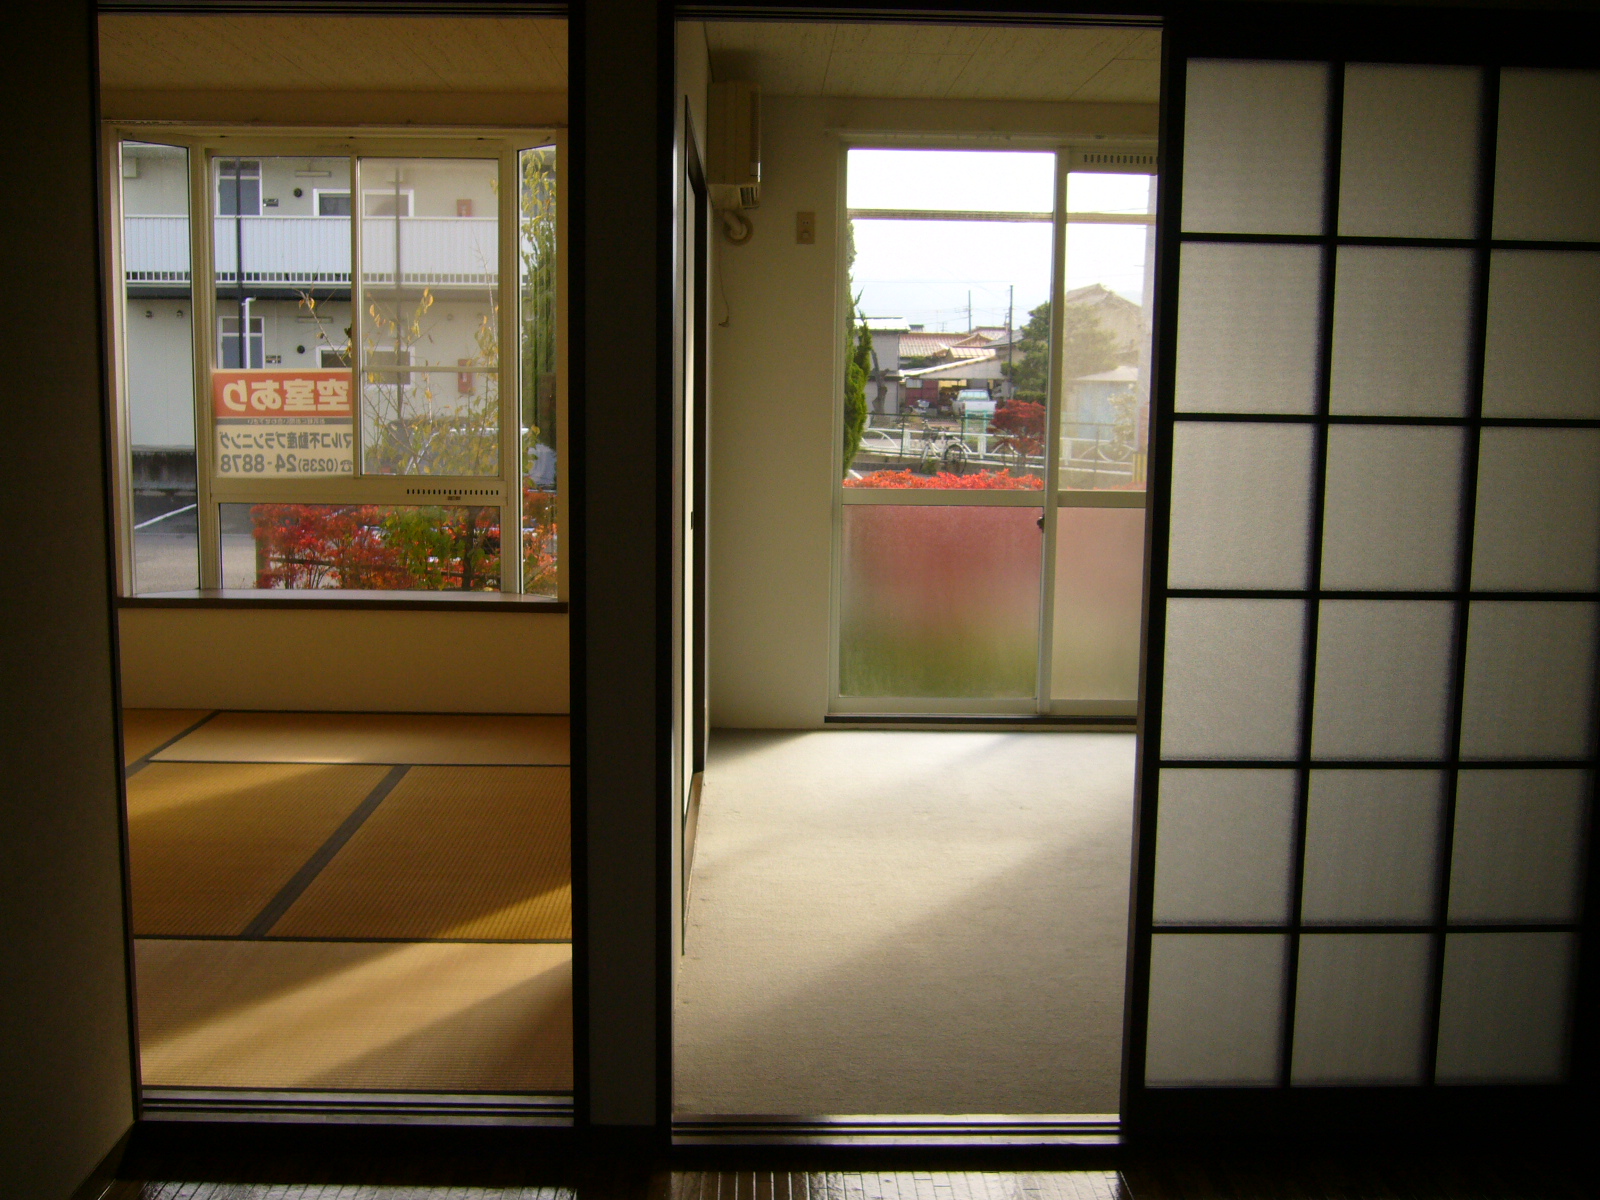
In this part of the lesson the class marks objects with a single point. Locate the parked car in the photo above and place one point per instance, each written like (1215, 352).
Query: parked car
(974, 402)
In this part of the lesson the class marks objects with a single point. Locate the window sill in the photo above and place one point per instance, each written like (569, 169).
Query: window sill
(329, 599)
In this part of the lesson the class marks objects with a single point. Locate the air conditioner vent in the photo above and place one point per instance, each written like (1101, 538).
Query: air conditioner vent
(454, 493)
(1111, 160)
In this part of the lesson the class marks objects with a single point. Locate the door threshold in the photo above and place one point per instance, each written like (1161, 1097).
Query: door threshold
(254, 1105)
(1094, 1129)
(1052, 721)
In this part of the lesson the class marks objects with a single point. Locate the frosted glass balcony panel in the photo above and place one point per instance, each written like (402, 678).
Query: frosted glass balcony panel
(939, 601)
(1383, 679)
(1372, 847)
(1518, 850)
(1505, 1007)
(1216, 1009)
(1547, 166)
(1392, 507)
(1232, 672)
(1224, 840)
(1361, 1008)
(1538, 514)
(1409, 162)
(1529, 680)
(1241, 499)
(1402, 331)
(1247, 328)
(1254, 143)
(1099, 604)
(1542, 358)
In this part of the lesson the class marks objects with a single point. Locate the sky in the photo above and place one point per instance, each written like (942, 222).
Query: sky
(923, 272)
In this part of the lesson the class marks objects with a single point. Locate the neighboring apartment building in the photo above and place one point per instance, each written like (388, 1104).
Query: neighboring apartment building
(288, 219)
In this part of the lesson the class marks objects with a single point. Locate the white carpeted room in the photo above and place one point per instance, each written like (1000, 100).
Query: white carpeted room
(907, 857)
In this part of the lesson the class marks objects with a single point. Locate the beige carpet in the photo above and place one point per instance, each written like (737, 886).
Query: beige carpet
(144, 729)
(211, 843)
(913, 922)
(430, 1017)
(463, 738)
(452, 852)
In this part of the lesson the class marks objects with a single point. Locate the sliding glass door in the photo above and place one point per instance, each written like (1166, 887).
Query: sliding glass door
(994, 431)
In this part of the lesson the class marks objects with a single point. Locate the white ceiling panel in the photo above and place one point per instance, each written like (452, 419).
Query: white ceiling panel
(953, 62)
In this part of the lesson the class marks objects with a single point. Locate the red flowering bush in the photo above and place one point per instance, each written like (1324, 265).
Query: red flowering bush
(1002, 480)
(1021, 424)
(376, 547)
(538, 542)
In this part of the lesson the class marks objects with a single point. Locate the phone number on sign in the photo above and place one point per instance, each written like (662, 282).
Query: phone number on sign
(281, 464)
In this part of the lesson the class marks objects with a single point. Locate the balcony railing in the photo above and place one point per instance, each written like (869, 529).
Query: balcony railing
(434, 251)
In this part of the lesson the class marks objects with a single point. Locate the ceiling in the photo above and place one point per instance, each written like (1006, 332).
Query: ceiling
(1105, 64)
(179, 52)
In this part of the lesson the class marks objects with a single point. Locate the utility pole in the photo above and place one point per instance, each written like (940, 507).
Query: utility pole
(969, 310)
(1011, 304)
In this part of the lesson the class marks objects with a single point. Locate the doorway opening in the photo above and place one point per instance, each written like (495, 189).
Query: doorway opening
(338, 317)
(923, 506)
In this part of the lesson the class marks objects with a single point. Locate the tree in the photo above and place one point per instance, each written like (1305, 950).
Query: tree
(1087, 348)
(857, 368)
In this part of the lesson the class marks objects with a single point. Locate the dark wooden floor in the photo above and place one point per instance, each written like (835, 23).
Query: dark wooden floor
(312, 1164)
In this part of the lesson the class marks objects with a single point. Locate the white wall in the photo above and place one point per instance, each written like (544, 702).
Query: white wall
(361, 661)
(774, 389)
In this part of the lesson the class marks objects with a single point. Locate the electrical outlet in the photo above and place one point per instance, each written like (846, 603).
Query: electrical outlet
(805, 228)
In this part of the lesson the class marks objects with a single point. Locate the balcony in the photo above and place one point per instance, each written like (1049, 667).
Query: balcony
(315, 251)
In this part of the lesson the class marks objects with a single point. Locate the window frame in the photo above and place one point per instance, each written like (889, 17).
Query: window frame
(206, 146)
(1072, 155)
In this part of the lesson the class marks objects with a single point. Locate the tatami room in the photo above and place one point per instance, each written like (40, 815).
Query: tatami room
(337, 295)
(908, 852)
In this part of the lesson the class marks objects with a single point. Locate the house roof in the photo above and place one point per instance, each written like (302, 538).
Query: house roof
(921, 345)
(984, 366)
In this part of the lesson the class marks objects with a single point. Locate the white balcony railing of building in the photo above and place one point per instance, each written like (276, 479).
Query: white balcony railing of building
(434, 251)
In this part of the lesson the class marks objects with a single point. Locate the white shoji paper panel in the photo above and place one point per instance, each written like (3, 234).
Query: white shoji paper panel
(1392, 507)
(1408, 166)
(1547, 166)
(1529, 679)
(1232, 670)
(1402, 331)
(1383, 679)
(1216, 1008)
(1518, 850)
(1538, 514)
(1361, 1007)
(1247, 328)
(1254, 142)
(1241, 499)
(1505, 1007)
(1224, 839)
(1542, 358)
(1372, 847)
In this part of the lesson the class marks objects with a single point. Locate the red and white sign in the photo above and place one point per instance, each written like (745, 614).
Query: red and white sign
(284, 424)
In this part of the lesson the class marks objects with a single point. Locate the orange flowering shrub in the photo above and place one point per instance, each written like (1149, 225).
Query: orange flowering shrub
(1002, 480)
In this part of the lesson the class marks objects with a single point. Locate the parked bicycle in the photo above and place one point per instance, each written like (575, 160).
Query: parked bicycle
(943, 451)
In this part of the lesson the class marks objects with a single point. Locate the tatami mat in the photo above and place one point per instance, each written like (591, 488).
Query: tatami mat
(452, 852)
(454, 738)
(144, 729)
(435, 1017)
(212, 843)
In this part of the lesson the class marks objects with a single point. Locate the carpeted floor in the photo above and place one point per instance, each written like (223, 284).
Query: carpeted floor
(907, 922)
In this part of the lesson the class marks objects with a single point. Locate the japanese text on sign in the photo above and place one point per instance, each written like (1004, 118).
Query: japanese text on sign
(279, 424)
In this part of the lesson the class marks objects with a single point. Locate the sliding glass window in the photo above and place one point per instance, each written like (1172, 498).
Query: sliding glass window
(365, 404)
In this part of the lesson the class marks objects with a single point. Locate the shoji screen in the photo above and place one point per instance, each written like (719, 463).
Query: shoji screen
(1370, 730)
